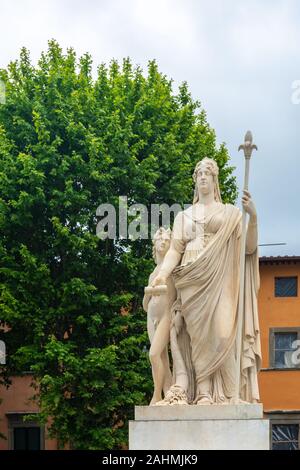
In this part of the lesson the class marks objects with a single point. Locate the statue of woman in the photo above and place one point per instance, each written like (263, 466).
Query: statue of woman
(204, 262)
(158, 308)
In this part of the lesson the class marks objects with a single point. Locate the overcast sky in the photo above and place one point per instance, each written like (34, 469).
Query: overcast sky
(239, 57)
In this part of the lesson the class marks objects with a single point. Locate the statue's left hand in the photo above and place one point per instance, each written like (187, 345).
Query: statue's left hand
(248, 204)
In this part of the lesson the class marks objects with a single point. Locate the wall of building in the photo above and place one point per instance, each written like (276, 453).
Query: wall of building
(280, 389)
(16, 399)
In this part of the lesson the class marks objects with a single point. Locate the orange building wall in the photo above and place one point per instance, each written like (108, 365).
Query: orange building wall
(17, 399)
(279, 389)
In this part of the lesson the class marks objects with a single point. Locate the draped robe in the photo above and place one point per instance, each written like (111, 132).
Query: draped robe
(207, 283)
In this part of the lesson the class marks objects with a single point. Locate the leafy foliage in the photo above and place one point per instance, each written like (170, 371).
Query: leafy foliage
(71, 302)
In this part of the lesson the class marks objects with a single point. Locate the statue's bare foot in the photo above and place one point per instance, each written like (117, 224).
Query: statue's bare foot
(238, 401)
(155, 400)
(203, 399)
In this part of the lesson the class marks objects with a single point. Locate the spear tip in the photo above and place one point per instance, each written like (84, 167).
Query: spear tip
(248, 146)
(248, 137)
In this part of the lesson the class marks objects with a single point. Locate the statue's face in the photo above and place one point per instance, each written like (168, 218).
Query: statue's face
(205, 180)
(162, 244)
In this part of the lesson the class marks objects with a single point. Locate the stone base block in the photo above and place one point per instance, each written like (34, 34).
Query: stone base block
(202, 427)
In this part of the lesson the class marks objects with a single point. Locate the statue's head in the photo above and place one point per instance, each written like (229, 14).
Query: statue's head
(161, 242)
(206, 179)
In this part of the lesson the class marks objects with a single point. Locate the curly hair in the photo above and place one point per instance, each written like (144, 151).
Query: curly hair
(214, 169)
(156, 237)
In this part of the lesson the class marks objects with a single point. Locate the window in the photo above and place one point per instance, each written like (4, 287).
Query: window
(285, 436)
(285, 348)
(28, 438)
(24, 435)
(284, 429)
(286, 286)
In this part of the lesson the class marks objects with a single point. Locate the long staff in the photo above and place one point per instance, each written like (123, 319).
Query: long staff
(247, 147)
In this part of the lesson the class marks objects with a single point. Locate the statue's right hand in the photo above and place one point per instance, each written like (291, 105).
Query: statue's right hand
(159, 280)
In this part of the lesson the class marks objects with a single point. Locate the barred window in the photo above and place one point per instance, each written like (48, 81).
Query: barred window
(285, 436)
(286, 286)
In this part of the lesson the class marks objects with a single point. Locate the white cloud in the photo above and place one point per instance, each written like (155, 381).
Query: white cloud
(262, 32)
(165, 19)
(240, 58)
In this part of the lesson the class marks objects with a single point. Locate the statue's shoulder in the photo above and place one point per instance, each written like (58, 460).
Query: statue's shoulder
(233, 210)
(154, 273)
(180, 215)
(187, 211)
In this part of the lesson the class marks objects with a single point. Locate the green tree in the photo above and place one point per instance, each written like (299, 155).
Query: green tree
(72, 302)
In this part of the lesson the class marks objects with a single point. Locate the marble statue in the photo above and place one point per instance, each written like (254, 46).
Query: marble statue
(158, 308)
(203, 264)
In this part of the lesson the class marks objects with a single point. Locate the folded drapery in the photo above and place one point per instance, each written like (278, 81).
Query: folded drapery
(207, 283)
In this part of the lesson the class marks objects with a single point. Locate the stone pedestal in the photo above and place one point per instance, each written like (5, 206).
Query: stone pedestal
(199, 427)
